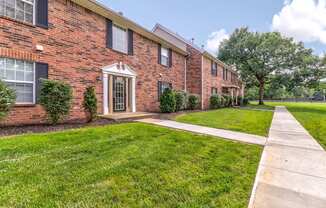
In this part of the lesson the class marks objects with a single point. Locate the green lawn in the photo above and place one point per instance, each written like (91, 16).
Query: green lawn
(125, 165)
(243, 120)
(311, 115)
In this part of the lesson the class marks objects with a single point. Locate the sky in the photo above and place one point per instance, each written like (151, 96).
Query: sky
(211, 21)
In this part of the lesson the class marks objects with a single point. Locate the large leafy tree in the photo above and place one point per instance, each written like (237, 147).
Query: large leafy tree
(259, 56)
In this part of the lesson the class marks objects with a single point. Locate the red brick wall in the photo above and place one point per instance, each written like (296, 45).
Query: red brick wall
(210, 81)
(74, 48)
(194, 63)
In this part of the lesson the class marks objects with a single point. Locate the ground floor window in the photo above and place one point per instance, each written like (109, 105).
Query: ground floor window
(214, 91)
(19, 75)
(162, 86)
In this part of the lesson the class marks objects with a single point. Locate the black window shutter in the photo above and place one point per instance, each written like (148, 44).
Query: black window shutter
(130, 42)
(159, 89)
(170, 57)
(109, 33)
(159, 53)
(41, 12)
(41, 72)
(212, 68)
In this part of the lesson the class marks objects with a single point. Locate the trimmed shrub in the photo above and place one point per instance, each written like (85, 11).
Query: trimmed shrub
(90, 103)
(245, 101)
(240, 101)
(215, 102)
(227, 101)
(7, 99)
(222, 101)
(193, 102)
(168, 101)
(56, 99)
(181, 100)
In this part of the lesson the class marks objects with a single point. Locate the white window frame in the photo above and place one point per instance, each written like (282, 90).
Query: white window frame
(163, 56)
(15, 18)
(22, 82)
(125, 51)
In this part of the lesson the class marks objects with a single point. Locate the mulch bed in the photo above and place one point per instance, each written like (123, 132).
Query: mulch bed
(42, 128)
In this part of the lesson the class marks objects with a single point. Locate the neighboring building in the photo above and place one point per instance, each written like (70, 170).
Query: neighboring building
(206, 75)
(83, 43)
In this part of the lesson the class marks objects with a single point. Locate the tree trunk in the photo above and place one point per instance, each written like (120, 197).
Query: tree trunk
(261, 92)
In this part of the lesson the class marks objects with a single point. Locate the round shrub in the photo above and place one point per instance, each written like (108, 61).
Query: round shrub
(193, 102)
(181, 100)
(167, 101)
(56, 99)
(227, 101)
(7, 99)
(215, 102)
(90, 103)
(245, 101)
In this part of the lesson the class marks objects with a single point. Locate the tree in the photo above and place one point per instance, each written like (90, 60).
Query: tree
(260, 55)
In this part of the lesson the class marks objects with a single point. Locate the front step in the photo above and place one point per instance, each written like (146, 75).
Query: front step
(118, 117)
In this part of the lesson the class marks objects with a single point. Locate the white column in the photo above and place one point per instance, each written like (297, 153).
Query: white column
(133, 94)
(105, 94)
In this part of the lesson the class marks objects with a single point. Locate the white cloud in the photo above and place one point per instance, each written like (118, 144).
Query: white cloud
(215, 39)
(304, 20)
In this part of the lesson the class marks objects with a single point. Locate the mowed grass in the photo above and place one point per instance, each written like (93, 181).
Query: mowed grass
(125, 165)
(311, 115)
(242, 120)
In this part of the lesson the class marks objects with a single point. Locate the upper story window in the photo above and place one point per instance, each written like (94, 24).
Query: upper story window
(120, 39)
(225, 74)
(164, 56)
(21, 10)
(214, 69)
(19, 75)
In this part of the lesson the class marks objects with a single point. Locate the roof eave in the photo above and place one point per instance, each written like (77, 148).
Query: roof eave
(106, 12)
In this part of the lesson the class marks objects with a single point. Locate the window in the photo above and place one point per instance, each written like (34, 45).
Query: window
(162, 86)
(120, 39)
(214, 91)
(164, 56)
(21, 10)
(214, 69)
(19, 75)
(225, 74)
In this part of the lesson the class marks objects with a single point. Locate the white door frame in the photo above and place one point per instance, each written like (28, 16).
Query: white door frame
(122, 70)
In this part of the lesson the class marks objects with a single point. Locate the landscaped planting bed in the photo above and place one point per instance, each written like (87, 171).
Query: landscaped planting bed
(125, 165)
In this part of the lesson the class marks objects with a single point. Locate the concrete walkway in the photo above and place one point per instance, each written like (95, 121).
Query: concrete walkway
(292, 171)
(231, 135)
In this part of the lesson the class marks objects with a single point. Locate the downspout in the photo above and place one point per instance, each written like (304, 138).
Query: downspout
(185, 84)
(202, 82)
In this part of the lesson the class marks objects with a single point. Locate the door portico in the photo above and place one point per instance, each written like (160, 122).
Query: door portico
(119, 89)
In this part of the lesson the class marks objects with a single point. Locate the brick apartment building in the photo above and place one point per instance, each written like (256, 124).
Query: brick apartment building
(206, 75)
(83, 43)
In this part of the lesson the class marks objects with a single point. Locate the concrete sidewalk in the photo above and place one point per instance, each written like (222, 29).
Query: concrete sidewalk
(292, 171)
(231, 135)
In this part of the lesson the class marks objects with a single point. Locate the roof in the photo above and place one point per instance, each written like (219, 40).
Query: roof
(201, 50)
(106, 12)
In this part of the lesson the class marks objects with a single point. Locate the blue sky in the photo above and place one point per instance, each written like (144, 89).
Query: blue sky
(210, 21)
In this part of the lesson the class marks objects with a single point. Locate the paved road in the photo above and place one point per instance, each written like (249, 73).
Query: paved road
(292, 171)
(231, 135)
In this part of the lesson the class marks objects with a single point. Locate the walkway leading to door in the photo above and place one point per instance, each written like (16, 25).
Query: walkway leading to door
(292, 171)
(232, 135)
